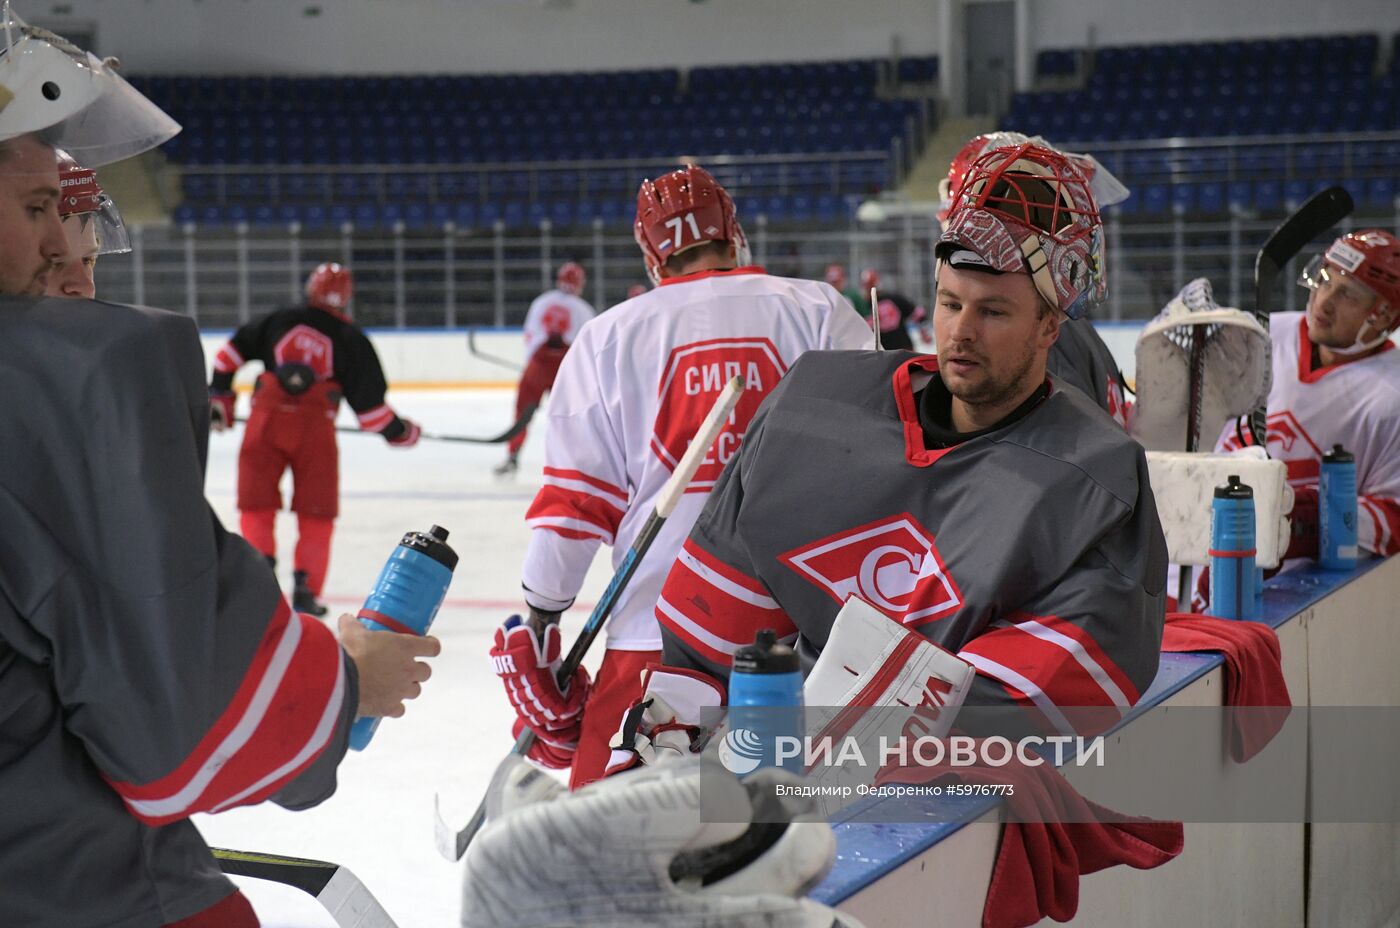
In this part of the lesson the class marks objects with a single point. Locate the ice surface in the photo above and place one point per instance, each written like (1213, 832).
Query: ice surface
(379, 823)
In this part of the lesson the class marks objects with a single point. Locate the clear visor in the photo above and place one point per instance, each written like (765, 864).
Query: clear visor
(1107, 189)
(1351, 293)
(73, 100)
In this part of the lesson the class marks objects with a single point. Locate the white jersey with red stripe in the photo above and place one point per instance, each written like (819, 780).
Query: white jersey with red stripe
(1355, 404)
(555, 317)
(1032, 551)
(629, 397)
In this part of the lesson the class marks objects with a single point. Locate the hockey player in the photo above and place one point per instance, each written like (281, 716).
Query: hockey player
(312, 356)
(92, 226)
(1336, 380)
(1002, 516)
(895, 312)
(149, 667)
(836, 276)
(551, 326)
(1079, 356)
(631, 393)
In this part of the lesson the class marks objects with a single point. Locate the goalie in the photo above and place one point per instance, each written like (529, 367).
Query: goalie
(1005, 519)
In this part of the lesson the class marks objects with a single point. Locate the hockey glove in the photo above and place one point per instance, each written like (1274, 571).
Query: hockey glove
(402, 433)
(527, 666)
(221, 409)
(670, 720)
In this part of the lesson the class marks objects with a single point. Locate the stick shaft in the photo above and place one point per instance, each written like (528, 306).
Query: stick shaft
(666, 502)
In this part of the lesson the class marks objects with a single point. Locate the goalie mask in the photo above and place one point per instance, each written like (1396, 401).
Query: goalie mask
(683, 209)
(82, 199)
(1029, 210)
(1362, 270)
(71, 99)
(1107, 189)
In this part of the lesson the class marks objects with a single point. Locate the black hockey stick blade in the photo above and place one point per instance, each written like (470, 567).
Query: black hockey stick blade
(520, 425)
(342, 894)
(486, 355)
(1322, 211)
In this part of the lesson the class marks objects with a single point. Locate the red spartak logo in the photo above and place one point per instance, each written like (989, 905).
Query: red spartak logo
(1290, 443)
(305, 345)
(694, 376)
(891, 564)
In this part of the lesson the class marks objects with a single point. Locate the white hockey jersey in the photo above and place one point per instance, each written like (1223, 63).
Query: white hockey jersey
(629, 397)
(1355, 404)
(555, 316)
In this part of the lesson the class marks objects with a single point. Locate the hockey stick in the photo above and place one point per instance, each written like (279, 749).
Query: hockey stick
(487, 356)
(452, 845)
(342, 894)
(1321, 212)
(518, 426)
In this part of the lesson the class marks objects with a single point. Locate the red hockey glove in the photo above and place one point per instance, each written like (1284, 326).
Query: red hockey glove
(527, 666)
(405, 437)
(221, 409)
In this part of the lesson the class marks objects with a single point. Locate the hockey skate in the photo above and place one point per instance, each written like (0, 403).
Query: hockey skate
(507, 467)
(303, 600)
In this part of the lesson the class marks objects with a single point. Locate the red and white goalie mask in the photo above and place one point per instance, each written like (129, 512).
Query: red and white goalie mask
(571, 277)
(1107, 189)
(1361, 270)
(1029, 209)
(82, 200)
(683, 209)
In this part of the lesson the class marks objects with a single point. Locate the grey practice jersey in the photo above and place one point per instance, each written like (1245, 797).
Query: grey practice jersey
(1080, 358)
(1033, 551)
(149, 666)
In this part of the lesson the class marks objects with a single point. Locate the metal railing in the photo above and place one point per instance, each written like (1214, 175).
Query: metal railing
(1355, 155)
(454, 277)
(533, 181)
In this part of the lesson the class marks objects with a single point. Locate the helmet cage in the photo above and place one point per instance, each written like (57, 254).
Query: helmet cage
(1030, 209)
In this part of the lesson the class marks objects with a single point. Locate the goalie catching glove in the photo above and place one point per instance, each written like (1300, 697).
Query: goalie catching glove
(639, 849)
(527, 665)
(674, 718)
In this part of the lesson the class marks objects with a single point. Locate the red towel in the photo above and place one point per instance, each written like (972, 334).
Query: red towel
(1253, 673)
(1052, 837)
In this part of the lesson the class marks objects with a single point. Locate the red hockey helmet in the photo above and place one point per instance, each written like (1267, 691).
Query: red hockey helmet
(677, 211)
(1030, 209)
(836, 275)
(330, 287)
(1371, 258)
(80, 195)
(869, 278)
(570, 277)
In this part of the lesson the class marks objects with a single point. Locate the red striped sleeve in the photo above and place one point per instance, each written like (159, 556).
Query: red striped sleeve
(280, 719)
(376, 419)
(716, 609)
(577, 506)
(228, 360)
(1053, 663)
(1378, 528)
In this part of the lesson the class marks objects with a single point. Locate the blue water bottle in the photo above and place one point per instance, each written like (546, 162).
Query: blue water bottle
(1336, 510)
(406, 598)
(1232, 574)
(765, 701)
